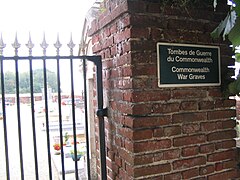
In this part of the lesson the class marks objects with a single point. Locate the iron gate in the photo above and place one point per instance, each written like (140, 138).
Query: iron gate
(56, 145)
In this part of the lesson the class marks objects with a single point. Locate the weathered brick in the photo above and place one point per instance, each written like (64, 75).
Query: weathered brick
(151, 170)
(157, 33)
(126, 71)
(230, 164)
(173, 176)
(206, 170)
(222, 114)
(190, 128)
(189, 93)
(220, 135)
(229, 124)
(189, 140)
(141, 96)
(188, 163)
(158, 132)
(129, 169)
(158, 156)
(122, 36)
(170, 154)
(123, 60)
(142, 134)
(143, 159)
(158, 177)
(151, 145)
(165, 108)
(141, 109)
(216, 92)
(128, 145)
(219, 166)
(189, 117)
(122, 174)
(143, 70)
(225, 103)
(189, 105)
(190, 151)
(149, 126)
(147, 21)
(125, 132)
(146, 82)
(146, 57)
(142, 122)
(190, 173)
(207, 148)
(224, 175)
(228, 144)
(223, 155)
(124, 154)
(140, 32)
(206, 105)
(211, 126)
(172, 131)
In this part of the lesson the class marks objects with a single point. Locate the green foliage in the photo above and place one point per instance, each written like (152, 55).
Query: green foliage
(234, 87)
(225, 26)
(237, 57)
(234, 34)
(237, 7)
(229, 28)
(24, 81)
(66, 137)
(10, 82)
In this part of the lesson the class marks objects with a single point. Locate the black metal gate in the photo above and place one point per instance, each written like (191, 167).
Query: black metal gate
(47, 135)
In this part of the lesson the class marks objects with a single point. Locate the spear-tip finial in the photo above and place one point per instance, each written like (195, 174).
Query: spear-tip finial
(30, 45)
(58, 44)
(2, 45)
(44, 44)
(71, 45)
(16, 45)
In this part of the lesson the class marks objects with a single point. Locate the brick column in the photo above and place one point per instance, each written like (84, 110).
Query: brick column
(162, 133)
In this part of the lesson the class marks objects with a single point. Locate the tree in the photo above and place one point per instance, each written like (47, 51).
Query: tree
(24, 81)
(229, 28)
(38, 80)
(10, 82)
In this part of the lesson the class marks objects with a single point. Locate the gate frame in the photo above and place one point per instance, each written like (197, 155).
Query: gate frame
(101, 112)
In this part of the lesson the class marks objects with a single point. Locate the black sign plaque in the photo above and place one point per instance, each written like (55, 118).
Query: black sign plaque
(182, 65)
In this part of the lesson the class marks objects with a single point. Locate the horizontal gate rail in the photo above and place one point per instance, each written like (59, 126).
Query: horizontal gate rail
(100, 112)
(90, 58)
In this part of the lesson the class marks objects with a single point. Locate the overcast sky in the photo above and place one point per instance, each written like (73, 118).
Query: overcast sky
(39, 16)
(53, 17)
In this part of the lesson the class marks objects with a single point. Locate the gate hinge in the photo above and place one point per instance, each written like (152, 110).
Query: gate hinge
(102, 112)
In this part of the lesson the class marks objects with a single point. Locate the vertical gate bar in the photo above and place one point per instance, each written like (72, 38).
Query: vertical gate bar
(47, 118)
(16, 45)
(33, 119)
(74, 120)
(60, 117)
(19, 118)
(4, 121)
(86, 118)
(98, 63)
(58, 46)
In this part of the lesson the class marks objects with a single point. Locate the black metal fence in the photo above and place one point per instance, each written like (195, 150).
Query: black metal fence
(46, 125)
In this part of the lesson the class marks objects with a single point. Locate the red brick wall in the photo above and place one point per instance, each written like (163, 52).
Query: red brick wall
(162, 133)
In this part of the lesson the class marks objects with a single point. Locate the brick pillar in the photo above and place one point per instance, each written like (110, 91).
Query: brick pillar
(162, 133)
